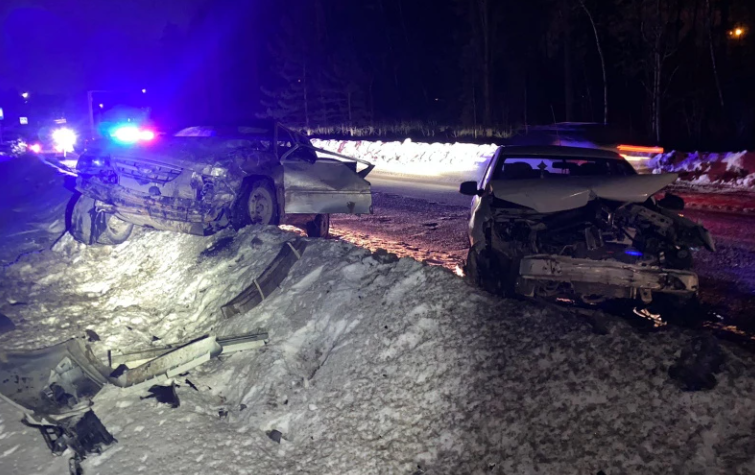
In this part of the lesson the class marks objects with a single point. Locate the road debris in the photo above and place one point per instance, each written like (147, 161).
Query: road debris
(268, 281)
(698, 364)
(164, 394)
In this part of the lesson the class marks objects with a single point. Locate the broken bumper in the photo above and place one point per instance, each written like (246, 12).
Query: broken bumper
(610, 278)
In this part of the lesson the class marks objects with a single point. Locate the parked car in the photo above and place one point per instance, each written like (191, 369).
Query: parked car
(205, 179)
(579, 225)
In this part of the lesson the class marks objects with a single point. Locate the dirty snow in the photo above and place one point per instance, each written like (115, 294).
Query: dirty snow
(372, 366)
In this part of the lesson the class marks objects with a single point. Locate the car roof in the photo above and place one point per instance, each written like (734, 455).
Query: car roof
(556, 151)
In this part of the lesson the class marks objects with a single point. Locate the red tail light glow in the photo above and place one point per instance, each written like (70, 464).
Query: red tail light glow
(639, 149)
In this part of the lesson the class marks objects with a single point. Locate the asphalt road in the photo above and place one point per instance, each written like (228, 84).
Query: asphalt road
(428, 220)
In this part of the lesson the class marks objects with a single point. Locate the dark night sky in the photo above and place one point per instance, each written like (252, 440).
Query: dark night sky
(497, 63)
(64, 46)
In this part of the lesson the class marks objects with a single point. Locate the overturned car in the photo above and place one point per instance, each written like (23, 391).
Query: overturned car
(579, 225)
(205, 179)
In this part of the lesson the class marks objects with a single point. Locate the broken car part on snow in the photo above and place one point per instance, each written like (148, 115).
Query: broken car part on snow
(579, 225)
(54, 387)
(205, 179)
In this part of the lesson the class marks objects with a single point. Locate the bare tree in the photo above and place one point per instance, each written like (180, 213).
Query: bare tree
(709, 15)
(655, 22)
(602, 61)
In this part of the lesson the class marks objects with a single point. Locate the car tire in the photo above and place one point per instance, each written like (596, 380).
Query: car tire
(493, 274)
(319, 227)
(80, 225)
(114, 230)
(88, 226)
(258, 205)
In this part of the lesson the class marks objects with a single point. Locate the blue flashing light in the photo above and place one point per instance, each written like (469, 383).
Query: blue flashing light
(633, 252)
(125, 134)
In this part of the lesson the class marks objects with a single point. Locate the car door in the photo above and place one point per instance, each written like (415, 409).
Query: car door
(318, 184)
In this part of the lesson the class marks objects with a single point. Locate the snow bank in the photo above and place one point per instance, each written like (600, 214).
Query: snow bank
(723, 170)
(374, 365)
(458, 162)
(445, 162)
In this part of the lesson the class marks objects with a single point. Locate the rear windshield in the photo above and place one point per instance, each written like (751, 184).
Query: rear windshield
(512, 168)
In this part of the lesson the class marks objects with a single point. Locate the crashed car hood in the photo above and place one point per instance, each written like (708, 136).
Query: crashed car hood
(551, 195)
(184, 152)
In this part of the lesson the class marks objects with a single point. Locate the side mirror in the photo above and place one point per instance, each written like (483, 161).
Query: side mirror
(469, 188)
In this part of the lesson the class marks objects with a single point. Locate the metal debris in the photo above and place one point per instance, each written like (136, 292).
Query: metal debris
(164, 394)
(268, 281)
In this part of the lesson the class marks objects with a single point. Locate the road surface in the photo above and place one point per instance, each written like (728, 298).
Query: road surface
(428, 221)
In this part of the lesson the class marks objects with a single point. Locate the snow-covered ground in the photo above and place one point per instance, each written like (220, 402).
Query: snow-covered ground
(373, 365)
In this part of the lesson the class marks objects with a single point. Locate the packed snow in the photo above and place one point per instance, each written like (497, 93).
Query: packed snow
(373, 365)
(437, 161)
(458, 162)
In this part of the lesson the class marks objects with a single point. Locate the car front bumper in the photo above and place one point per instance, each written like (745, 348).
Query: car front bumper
(609, 278)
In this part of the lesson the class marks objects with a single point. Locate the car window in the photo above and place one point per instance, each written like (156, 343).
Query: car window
(514, 168)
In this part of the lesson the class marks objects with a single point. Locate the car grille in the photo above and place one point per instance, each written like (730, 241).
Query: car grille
(146, 172)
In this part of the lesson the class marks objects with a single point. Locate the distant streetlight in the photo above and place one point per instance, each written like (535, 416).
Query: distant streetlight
(737, 32)
(25, 95)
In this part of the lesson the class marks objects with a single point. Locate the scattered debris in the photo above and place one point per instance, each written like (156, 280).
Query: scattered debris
(164, 394)
(384, 257)
(223, 413)
(92, 336)
(699, 362)
(268, 281)
(228, 345)
(275, 435)
(6, 324)
(84, 434)
(191, 385)
(54, 380)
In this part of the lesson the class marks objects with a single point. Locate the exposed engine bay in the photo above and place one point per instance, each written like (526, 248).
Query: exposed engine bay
(639, 248)
(584, 240)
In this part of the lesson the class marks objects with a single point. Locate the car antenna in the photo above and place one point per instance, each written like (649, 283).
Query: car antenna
(555, 126)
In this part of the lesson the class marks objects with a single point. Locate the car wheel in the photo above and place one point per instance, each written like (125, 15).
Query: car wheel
(256, 205)
(495, 275)
(80, 226)
(114, 230)
(319, 227)
(89, 226)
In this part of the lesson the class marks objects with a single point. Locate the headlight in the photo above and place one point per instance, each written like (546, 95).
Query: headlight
(64, 139)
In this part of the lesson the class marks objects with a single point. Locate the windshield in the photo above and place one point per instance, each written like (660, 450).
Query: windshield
(513, 168)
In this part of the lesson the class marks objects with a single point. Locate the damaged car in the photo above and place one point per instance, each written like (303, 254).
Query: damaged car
(204, 179)
(575, 225)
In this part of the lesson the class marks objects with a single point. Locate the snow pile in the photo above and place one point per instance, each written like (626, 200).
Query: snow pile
(438, 160)
(374, 365)
(458, 162)
(727, 170)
